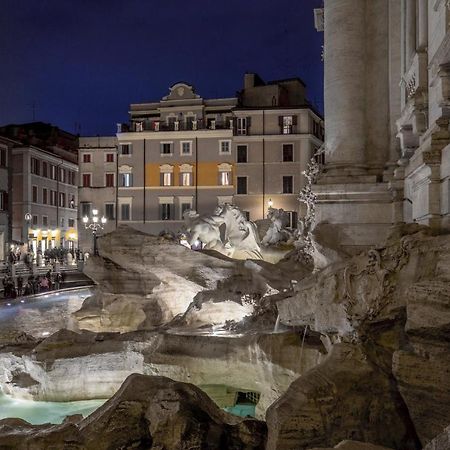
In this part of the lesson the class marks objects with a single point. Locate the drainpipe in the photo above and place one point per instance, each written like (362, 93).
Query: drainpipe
(263, 168)
(143, 196)
(196, 174)
(117, 184)
(57, 198)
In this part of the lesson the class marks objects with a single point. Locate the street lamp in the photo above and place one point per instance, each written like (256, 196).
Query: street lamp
(94, 224)
(270, 203)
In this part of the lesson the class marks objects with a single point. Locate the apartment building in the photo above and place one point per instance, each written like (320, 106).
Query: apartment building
(44, 186)
(5, 187)
(186, 152)
(275, 134)
(97, 161)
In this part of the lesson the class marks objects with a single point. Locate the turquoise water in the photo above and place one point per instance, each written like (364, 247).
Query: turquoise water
(241, 410)
(44, 412)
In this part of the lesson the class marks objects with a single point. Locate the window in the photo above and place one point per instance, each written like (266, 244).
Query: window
(126, 179)
(72, 202)
(242, 124)
(110, 157)
(286, 123)
(86, 180)
(72, 178)
(241, 185)
(44, 221)
(288, 152)
(166, 210)
(44, 196)
(125, 211)
(109, 180)
(2, 157)
(241, 153)
(62, 175)
(186, 147)
(225, 147)
(110, 211)
(35, 194)
(184, 207)
(35, 166)
(85, 209)
(35, 220)
(288, 185)
(166, 148)
(185, 179)
(62, 199)
(71, 223)
(225, 178)
(62, 222)
(292, 219)
(319, 158)
(53, 198)
(52, 172)
(125, 149)
(3, 201)
(87, 158)
(166, 179)
(44, 170)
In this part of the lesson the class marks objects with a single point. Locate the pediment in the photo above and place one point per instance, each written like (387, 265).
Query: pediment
(181, 91)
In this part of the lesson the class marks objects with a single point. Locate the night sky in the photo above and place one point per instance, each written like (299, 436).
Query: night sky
(84, 61)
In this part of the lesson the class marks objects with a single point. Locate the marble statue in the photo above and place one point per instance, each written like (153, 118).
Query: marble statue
(227, 231)
(277, 231)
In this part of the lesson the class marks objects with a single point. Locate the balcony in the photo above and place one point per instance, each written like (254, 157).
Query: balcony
(159, 125)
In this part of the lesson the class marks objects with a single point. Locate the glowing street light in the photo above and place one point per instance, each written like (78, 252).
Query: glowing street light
(270, 203)
(94, 223)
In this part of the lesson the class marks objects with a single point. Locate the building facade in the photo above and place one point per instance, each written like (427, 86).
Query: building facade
(44, 187)
(5, 204)
(185, 152)
(387, 117)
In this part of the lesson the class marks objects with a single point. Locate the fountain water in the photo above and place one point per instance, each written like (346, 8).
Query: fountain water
(36, 412)
(276, 328)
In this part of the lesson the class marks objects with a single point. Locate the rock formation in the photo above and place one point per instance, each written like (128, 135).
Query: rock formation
(384, 316)
(146, 412)
(145, 281)
(71, 366)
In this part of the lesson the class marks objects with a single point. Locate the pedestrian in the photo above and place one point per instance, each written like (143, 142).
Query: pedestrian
(28, 288)
(19, 285)
(44, 284)
(36, 284)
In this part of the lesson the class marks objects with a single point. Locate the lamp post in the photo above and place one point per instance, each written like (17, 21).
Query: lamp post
(94, 223)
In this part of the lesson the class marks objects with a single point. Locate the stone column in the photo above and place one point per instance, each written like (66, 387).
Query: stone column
(377, 85)
(345, 82)
(422, 42)
(410, 31)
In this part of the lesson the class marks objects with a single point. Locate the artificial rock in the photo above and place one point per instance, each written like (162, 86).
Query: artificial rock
(146, 412)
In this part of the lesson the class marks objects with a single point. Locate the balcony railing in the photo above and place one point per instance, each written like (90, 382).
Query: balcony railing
(158, 125)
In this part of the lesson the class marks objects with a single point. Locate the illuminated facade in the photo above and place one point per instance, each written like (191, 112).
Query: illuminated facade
(43, 194)
(186, 152)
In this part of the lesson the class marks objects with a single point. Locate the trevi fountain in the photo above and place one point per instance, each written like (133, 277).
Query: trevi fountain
(241, 335)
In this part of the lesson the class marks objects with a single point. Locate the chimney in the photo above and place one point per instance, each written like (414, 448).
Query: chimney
(249, 80)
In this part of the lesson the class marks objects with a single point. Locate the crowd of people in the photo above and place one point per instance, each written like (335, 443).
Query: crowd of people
(33, 285)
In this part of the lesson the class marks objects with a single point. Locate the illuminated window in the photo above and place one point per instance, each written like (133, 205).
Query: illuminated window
(126, 179)
(167, 179)
(185, 179)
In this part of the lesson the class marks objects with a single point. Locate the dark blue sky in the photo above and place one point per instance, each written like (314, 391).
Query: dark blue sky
(85, 61)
